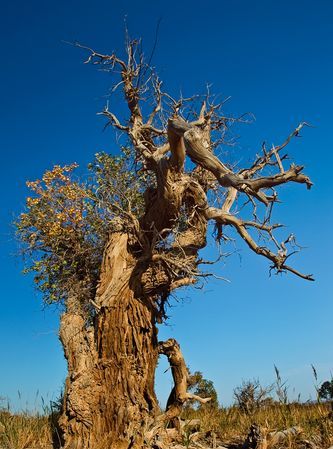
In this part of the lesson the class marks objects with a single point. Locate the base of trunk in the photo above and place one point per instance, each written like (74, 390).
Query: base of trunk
(109, 398)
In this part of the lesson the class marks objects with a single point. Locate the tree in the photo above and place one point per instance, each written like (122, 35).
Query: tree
(250, 396)
(326, 390)
(202, 387)
(112, 250)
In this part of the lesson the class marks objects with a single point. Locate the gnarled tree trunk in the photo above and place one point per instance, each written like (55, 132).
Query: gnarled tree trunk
(109, 397)
(112, 356)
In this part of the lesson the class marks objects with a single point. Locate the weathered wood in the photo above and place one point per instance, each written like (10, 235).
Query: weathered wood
(256, 438)
(260, 438)
(193, 423)
(110, 387)
(179, 394)
(282, 435)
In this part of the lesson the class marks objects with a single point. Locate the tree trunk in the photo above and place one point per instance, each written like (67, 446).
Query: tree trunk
(109, 398)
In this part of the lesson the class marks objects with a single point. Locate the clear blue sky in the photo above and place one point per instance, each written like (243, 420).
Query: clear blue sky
(275, 60)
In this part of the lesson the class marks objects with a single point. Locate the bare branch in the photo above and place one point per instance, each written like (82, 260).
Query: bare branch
(193, 138)
(113, 119)
(179, 394)
(158, 96)
(262, 161)
(202, 156)
(240, 226)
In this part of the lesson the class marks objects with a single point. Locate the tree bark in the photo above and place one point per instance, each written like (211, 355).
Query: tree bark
(109, 397)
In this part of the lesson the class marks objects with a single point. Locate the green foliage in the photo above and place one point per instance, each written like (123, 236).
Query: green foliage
(66, 223)
(118, 185)
(204, 388)
(326, 390)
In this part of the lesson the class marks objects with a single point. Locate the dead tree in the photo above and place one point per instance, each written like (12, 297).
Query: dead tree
(109, 397)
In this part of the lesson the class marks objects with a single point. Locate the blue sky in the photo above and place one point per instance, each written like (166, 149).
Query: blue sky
(275, 60)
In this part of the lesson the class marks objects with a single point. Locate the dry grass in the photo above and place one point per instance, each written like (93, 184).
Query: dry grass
(23, 431)
(30, 430)
(229, 425)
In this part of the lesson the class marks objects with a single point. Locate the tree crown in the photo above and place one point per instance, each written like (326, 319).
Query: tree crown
(163, 190)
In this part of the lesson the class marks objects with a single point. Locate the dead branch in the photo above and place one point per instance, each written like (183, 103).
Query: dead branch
(240, 226)
(199, 154)
(179, 394)
(162, 139)
(113, 120)
(262, 161)
(256, 438)
(282, 435)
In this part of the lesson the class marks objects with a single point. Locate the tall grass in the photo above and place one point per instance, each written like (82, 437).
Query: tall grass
(270, 408)
(231, 424)
(23, 431)
(226, 425)
(29, 429)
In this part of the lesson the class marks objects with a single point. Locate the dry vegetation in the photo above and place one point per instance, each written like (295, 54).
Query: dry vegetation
(290, 425)
(230, 426)
(22, 431)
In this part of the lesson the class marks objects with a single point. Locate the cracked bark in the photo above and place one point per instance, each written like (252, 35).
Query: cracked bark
(109, 398)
